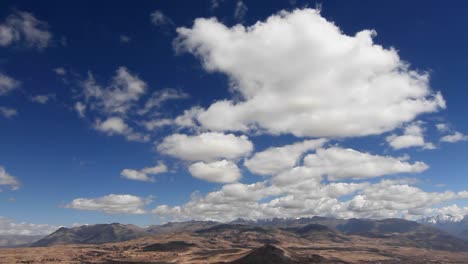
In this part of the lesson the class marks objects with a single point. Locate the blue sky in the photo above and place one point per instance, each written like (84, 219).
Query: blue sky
(300, 77)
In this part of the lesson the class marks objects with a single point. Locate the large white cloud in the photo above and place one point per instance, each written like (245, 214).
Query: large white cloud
(276, 159)
(207, 146)
(298, 73)
(112, 204)
(413, 136)
(223, 171)
(143, 174)
(23, 27)
(338, 163)
(11, 227)
(8, 180)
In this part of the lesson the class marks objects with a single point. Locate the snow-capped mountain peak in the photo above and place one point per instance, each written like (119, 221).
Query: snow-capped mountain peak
(442, 218)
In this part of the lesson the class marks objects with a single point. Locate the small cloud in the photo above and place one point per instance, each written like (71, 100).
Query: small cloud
(442, 127)
(143, 174)
(208, 147)
(124, 39)
(215, 4)
(60, 71)
(25, 28)
(112, 204)
(455, 137)
(123, 91)
(223, 171)
(240, 11)
(80, 108)
(413, 136)
(158, 18)
(42, 98)
(154, 124)
(159, 97)
(8, 112)
(7, 84)
(8, 180)
(117, 126)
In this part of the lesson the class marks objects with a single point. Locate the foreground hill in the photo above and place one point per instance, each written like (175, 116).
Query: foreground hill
(91, 234)
(272, 254)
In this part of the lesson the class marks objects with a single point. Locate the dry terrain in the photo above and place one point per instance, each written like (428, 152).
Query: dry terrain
(240, 244)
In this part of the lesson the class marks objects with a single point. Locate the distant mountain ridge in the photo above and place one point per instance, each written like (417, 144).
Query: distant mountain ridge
(92, 234)
(442, 219)
(394, 231)
(177, 227)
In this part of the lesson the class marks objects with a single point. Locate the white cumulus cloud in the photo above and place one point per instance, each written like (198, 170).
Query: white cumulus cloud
(207, 146)
(289, 76)
(222, 171)
(339, 163)
(413, 136)
(143, 174)
(10, 227)
(112, 204)
(276, 159)
(455, 137)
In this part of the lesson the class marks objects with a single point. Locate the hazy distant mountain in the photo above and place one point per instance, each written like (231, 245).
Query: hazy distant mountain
(318, 232)
(92, 234)
(396, 232)
(454, 225)
(378, 228)
(17, 240)
(292, 222)
(442, 219)
(404, 233)
(178, 227)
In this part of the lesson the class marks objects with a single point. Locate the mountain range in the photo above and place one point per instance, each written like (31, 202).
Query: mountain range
(278, 240)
